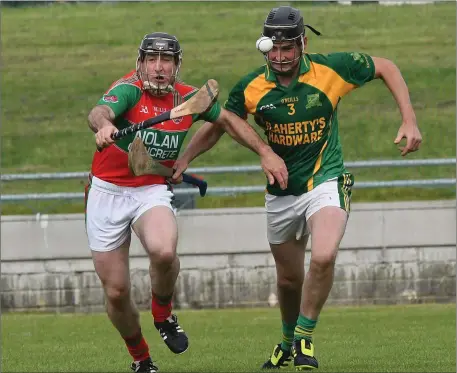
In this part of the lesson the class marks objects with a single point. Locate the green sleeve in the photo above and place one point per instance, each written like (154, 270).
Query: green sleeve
(121, 98)
(355, 67)
(212, 114)
(236, 101)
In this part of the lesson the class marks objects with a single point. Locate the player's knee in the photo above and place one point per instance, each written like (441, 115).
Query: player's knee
(290, 280)
(323, 260)
(117, 294)
(164, 258)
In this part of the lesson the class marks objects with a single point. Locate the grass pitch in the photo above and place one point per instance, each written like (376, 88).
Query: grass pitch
(416, 338)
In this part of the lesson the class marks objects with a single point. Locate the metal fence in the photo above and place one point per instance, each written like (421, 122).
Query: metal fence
(232, 190)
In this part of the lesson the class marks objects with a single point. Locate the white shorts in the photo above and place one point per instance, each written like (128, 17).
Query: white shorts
(287, 215)
(112, 209)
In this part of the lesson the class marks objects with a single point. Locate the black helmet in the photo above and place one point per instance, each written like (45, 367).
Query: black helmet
(285, 23)
(160, 42)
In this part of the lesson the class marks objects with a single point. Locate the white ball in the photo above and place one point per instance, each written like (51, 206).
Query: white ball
(264, 44)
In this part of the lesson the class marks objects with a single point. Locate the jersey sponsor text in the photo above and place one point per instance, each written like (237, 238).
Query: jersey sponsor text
(296, 133)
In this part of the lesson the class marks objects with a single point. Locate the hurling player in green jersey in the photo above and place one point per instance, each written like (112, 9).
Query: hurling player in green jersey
(294, 98)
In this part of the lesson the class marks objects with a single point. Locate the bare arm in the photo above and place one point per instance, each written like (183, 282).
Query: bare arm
(203, 140)
(242, 132)
(391, 75)
(101, 123)
(100, 116)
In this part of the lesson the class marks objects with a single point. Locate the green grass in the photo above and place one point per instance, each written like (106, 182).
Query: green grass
(418, 338)
(59, 59)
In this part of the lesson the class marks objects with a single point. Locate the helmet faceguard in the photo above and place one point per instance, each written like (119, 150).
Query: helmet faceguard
(285, 24)
(160, 44)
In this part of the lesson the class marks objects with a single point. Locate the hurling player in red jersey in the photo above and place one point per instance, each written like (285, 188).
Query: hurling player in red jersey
(118, 201)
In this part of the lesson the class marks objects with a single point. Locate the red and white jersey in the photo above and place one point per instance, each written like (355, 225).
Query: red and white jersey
(131, 104)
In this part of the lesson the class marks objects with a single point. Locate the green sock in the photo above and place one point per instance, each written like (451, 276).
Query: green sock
(287, 336)
(304, 329)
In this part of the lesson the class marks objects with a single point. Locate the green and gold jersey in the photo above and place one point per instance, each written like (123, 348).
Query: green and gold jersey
(300, 121)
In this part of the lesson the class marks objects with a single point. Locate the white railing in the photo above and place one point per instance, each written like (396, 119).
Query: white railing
(442, 182)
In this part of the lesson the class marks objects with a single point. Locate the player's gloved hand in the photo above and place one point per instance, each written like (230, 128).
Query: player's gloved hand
(275, 168)
(411, 133)
(103, 136)
(179, 167)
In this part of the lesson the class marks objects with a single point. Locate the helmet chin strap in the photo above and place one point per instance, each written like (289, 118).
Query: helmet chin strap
(283, 73)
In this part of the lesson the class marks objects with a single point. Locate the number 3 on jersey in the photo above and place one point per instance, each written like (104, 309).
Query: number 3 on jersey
(291, 109)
